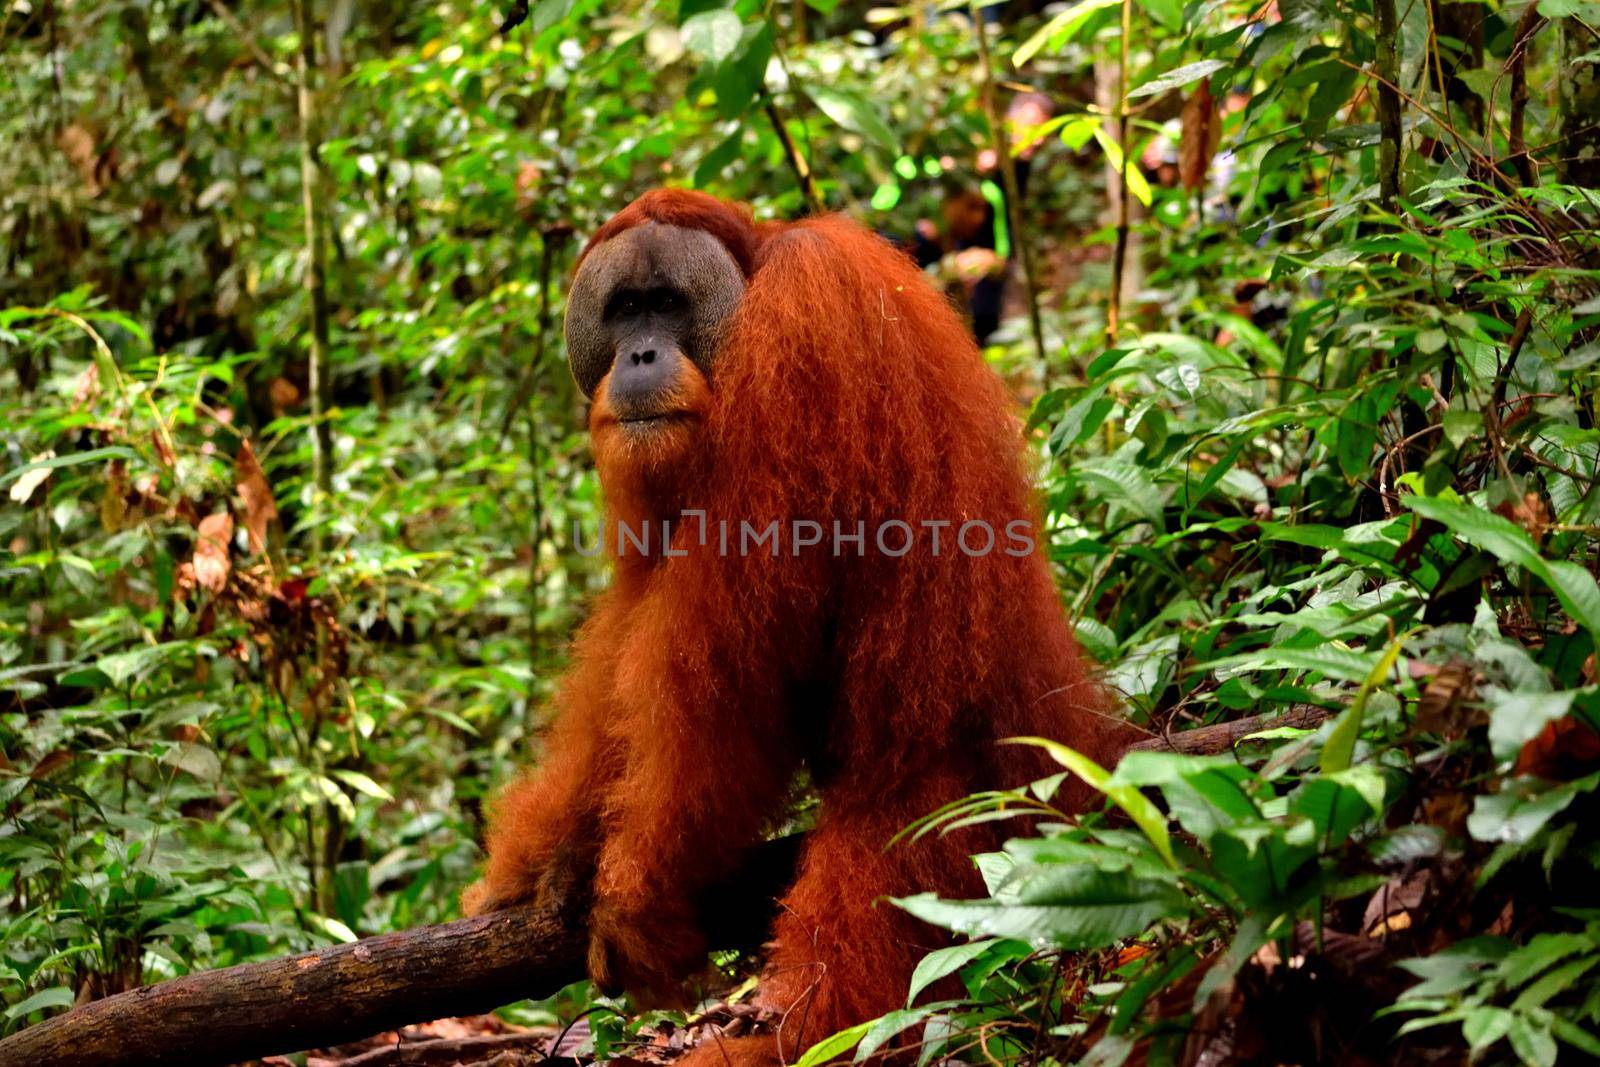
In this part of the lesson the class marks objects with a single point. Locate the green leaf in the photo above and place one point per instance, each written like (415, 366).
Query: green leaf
(1517, 717)
(1247, 939)
(835, 1046)
(1575, 1035)
(1356, 436)
(714, 162)
(1556, 982)
(1063, 907)
(1533, 1042)
(1463, 426)
(1134, 804)
(1330, 660)
(741, 79)
(58, 996)
(196, 759)
(1573, 586)
(1341, 744)
(73, 459)
(1334, 807)
(1175, 79)
(888, 1026)
(1541, 952)
(334, 928)
(1060, 30)
(712, 35)
(1522, 807)
(1484, 1026)
(855, 113)
(1121, 482)
(362, 784)
(1137, 185)
(122, 667)
(1169, 13)
(1560, 9)
(944, 962)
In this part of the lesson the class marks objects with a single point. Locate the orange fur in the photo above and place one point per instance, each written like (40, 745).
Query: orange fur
(846, 389)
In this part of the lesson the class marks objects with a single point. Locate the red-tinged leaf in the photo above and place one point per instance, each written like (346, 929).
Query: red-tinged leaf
(260, 510)
(1564, 750)
(211, 560)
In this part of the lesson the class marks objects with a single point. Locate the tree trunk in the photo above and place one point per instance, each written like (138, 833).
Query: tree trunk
(1578, 161)
(1389, 123)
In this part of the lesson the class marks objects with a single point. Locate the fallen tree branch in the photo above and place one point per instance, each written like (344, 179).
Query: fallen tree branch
(1207, 740)
(333, 995)
(446, 1051)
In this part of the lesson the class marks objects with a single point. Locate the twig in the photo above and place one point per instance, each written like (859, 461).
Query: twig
(1502, 376)
(445, 1051)
(1208, 740)
(240, 30)
(797, 162)
(1119, 254)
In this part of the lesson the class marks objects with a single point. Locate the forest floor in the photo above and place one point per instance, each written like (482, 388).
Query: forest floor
(490, 1041)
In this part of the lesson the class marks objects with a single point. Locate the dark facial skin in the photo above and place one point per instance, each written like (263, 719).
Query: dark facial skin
(647, 309)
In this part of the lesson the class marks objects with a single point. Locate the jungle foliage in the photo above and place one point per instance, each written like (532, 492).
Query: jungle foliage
(283, 598)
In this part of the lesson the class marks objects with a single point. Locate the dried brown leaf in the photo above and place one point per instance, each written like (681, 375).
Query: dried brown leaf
(1530, 513)
(260, 510)
(211, 560)
(1445, 704)
(76, 142)
(1199, 136)
(283, 394)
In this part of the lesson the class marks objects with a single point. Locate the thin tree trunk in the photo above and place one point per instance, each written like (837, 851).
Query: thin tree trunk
(1578, 161)
(1008, 175)
(1388, 97)
(1119, 253)
(1111, 96)
(316, 268)
(1463, 25)
(1517, 64)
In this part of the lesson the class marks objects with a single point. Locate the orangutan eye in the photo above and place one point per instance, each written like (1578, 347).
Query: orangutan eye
(625, 304)
(669, 301)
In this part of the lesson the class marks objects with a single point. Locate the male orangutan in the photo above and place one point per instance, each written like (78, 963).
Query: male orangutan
(896, 622)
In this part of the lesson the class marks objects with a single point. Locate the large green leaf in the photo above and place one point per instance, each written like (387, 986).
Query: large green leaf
(1176, 79)
(856, 113)
(1341, 744)
(1522, 807)
(54, 997)
(1061, 29)
(1573, 586)
(1072, 907)
(712, 35)
(1134, 804)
